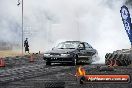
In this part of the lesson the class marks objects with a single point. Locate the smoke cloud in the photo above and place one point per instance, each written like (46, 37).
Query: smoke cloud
(47, 22)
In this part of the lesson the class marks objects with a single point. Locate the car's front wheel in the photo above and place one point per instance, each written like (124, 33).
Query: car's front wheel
(74, 61)
(48, 63)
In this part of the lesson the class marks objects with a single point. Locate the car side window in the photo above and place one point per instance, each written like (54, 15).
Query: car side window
(81, 46)
(87, 46)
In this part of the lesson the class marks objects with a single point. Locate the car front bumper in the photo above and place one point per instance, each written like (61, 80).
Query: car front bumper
(58, 59)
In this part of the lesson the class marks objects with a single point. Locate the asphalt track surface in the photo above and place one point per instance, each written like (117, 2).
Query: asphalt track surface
(38, 75)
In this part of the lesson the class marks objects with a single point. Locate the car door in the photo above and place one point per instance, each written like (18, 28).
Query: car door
(82, 52)
(89, 50)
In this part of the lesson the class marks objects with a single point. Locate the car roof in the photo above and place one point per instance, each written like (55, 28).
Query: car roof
(78, 42)
(74, 41)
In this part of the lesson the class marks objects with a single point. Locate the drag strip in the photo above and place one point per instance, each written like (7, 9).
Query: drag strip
(25, 72)
(65, 76)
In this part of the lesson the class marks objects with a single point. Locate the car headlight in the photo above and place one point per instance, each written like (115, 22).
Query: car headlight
(46, 54)
(65, 54)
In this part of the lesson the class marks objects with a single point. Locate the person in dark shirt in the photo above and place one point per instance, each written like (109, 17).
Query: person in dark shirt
(26, 45)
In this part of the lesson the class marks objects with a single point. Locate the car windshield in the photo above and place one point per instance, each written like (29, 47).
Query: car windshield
(67, 45)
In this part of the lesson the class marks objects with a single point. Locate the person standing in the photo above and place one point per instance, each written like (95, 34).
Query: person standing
(26, 45)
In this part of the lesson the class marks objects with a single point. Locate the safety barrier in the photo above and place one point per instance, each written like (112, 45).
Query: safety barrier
(112, 59)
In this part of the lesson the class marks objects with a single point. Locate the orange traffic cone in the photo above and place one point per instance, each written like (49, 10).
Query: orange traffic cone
(31, 58)
(115, 64)
(2, 62)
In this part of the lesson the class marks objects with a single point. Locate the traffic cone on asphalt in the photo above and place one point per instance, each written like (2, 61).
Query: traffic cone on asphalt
(31, 58)
(115, 64)
(2, 62)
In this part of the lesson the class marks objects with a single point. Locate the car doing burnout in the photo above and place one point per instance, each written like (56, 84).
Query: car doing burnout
(70, 52)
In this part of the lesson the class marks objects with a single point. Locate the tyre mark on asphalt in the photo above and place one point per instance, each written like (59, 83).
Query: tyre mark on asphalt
(15, 74)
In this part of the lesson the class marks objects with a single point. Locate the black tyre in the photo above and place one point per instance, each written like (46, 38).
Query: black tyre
(107, 62)
(48, 63)
(118, 62)
(121, 60)
(106, 59)
(107, 55)
(90, 60)
(128, 59)
(129, 62)
(109, 59)
(74, 61)
(125, 60)
(115, 56)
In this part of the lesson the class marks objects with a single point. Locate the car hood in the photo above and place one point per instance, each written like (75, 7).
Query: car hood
(60, 51)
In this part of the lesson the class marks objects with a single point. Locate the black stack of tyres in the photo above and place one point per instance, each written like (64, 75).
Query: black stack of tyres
(111, 59)
(107, 58)
(129, 60)
(115, 61)
(118, 59)
(123, 60)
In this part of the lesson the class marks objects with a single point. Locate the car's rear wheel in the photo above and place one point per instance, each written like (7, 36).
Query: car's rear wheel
(48, 63)
(89, 60)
